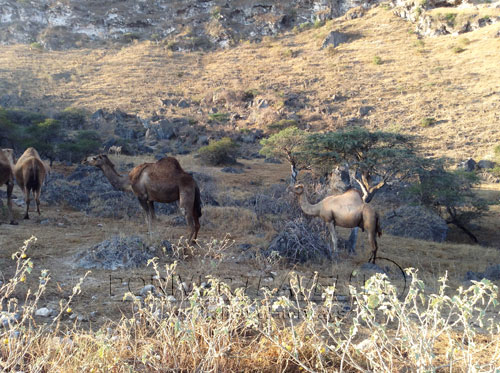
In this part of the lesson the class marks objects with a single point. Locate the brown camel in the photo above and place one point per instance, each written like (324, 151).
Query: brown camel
(346, 210)
(30, 172)
(164, 181)
(7, 178)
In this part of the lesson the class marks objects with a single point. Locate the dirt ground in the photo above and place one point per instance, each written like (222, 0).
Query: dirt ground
(71, 232)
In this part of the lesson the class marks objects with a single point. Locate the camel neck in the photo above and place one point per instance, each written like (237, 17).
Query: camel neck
(308, 208)
(119, 182)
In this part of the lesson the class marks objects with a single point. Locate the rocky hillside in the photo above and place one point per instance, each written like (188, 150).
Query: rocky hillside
(191, 24)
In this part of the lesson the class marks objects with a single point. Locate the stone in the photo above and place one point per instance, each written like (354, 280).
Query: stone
(485, 164)
(334, 38)
(232, 170)
(117, 252)
(183, 104)
(468, 165)
(43, 312)
(148, 289)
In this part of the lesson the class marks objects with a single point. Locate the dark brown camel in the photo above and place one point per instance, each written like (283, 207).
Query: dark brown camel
(163, 181)
(30, 172)
(346, 210)
(7, 178)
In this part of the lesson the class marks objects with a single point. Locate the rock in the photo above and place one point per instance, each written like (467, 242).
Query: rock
(148, 289)
(183, 104)
(117, 252)
(7, 319)
(43, 312)
(468, 165)
(365, 110)
(415, 222)
(491, 273)
(334, 38)
(232, 170)
(485, 164)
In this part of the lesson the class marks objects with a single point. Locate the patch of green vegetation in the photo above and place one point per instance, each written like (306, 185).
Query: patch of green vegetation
(377, 60)
(457, 49)
(302, 27)
(419, 43)
(318, 23)
(220, 152)
(450, 18)
(464, 41)
(36, 46)
(216, 12)
(219, 117)
(418, 12)
(129, 37)
(250, 94)
(72, 117)
(427, 122)
(289, 53)
(281, 125)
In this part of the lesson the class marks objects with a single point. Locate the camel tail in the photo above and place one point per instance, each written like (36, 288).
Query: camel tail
(379, 230)
(33, 181)
(197, 201)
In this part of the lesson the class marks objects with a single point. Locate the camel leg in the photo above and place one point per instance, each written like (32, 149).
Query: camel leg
(351, 242)
(27, 201)
(10, 188)
(373, 243)
(145, 205)
(186, 204)
(36, 194)
(196, 226)
(333, 235)
(151, 205)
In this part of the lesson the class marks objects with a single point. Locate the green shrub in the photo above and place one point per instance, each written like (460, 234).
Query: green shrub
(71, 117)
(84, 144)
(450, 18)
(458, 49)
(220, 152)
(427, 122)
(219, 117)
(281, 125)
(36, 45)
(377, 60)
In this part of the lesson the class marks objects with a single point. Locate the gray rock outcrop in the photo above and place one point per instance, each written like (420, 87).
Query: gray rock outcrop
(415, 222)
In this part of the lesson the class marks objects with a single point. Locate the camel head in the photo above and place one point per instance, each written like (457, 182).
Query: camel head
(9, 153)
(299, 189)
(97, 161)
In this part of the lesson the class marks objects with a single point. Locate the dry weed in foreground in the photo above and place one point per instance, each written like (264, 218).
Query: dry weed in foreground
(216, 328)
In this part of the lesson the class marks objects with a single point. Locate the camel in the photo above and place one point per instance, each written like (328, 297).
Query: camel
(117, 150)
(30, 172)
(7, 178)
(346, 210)
(163, 181)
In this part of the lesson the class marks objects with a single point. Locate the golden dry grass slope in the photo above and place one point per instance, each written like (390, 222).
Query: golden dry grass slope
(413, 79)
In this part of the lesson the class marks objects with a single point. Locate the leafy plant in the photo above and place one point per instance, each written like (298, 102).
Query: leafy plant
(219, 117)
(377, 60)
(376, 157)
(287, 145)
(220, 152)
(427, 122)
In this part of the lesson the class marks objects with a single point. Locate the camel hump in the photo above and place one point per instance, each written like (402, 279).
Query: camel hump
(171, 163)
(137, 171)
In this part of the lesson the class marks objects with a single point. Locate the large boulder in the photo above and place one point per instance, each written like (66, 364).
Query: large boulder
(415, 222)
(334, 39)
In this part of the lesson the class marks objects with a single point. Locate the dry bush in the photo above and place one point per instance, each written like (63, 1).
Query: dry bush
(212, 327)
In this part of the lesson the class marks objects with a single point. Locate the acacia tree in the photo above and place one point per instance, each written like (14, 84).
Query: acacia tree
(373, 158)
(287, 145)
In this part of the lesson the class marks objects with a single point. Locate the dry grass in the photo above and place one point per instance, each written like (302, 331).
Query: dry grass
(459, 90)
